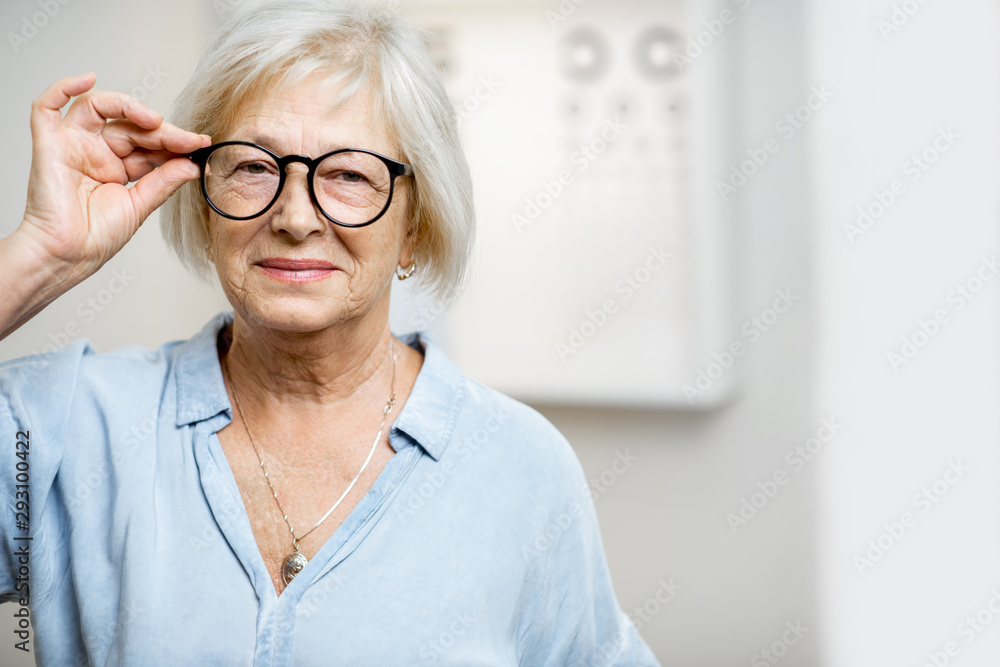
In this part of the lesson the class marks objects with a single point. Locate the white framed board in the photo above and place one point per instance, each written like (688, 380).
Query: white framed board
(595, 133)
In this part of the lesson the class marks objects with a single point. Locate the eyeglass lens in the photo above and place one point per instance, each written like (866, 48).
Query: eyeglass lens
(351, 187)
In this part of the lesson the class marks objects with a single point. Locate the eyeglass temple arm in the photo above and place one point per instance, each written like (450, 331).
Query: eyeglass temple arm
(196, 156)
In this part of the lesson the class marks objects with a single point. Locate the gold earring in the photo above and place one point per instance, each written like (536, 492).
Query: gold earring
(408, 272)
(208, 249)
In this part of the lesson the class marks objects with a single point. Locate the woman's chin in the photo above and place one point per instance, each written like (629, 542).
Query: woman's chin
(296, 314)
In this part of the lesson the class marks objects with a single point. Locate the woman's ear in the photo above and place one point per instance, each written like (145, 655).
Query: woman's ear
(410, 241)
(409, 248)
(208, 244)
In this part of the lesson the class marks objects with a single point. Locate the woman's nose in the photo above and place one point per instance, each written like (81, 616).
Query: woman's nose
(295, 212)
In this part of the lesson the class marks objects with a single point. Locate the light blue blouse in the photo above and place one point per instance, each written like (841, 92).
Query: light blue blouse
(478, 544)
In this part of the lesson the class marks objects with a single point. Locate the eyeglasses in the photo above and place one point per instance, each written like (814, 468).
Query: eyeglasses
(351, 187)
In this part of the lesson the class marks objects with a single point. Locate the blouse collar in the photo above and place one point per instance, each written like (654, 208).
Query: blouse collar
(428, 417)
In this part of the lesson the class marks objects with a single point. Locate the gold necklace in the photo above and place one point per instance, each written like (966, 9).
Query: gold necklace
(295, 561)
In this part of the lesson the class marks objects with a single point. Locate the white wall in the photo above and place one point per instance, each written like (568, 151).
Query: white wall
(903, 427)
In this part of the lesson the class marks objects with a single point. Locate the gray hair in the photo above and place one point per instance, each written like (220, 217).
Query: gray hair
(283, 42)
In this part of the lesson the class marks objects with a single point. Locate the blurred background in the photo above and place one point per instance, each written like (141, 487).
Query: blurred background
(742, 253)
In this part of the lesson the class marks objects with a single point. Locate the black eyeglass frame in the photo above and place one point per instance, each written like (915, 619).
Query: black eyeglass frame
(396, 168)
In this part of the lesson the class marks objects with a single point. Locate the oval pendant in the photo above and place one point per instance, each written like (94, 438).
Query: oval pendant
(291, 566)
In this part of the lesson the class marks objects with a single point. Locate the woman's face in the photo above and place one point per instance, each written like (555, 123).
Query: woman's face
(351, 268)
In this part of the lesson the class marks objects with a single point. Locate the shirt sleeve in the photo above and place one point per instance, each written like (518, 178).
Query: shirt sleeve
(575, 617)
(36, 395)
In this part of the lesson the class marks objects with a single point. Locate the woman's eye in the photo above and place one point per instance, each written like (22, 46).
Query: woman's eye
(352, 177)
(251, 168)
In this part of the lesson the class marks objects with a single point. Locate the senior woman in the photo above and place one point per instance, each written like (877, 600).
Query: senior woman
(293, 485)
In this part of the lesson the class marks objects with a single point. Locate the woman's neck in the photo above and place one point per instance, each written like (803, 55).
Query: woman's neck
(337, 369)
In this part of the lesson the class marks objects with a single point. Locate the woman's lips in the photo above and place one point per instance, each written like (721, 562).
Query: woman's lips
(296, 270)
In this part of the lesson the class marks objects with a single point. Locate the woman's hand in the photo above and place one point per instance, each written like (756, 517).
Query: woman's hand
(79, 211)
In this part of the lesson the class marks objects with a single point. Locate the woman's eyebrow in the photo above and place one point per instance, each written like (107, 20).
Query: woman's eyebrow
(272, 144)
(264, 140)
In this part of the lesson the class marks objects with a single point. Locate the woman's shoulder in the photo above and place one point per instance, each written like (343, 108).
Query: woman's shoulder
(54, 377)
(523, 421)
(480, 426)
(527, 434)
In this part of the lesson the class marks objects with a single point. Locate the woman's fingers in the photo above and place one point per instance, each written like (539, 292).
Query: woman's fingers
(92, 111)
(46, 109)
(140, 163)
(141, 151)
(79, 201)
(153, 189)
(123, 137)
